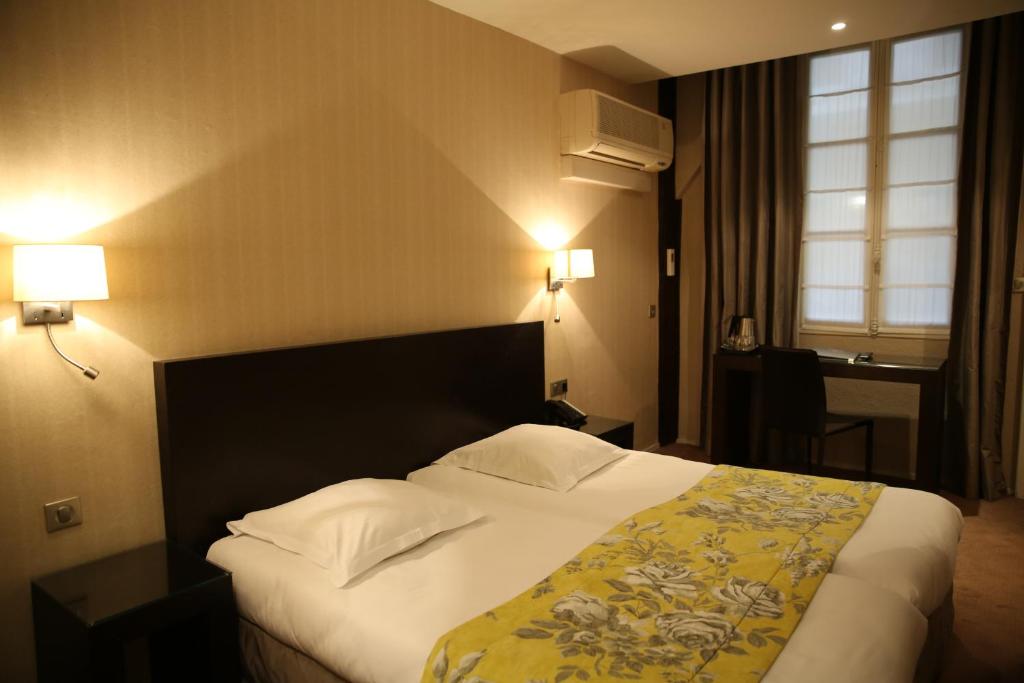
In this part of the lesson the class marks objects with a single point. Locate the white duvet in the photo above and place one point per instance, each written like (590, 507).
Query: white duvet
(866, 622)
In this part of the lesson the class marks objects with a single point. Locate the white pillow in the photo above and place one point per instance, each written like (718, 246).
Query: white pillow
(350, 527)
(539, 455)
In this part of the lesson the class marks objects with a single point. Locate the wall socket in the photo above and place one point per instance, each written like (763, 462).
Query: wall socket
(1018, 285)
(560, 387)
(60, 514)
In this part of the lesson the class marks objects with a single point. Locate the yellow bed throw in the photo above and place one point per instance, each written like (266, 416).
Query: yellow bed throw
(705, 587)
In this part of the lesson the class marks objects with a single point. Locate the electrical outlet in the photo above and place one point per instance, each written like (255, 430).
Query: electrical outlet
(560, 387)
(60, 514)
(652, 311)
(1018, 285)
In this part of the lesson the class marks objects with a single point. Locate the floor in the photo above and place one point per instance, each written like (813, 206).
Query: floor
(988, 633)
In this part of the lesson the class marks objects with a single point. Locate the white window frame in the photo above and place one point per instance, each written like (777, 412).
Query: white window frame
(875, 210)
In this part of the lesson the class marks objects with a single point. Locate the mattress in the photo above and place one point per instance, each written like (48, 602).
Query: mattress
(381, 628)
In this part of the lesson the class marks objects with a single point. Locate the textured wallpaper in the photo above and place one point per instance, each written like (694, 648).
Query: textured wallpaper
(273, 173)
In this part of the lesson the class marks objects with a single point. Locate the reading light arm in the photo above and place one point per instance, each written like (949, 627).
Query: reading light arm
(554, 286)
(88, 371)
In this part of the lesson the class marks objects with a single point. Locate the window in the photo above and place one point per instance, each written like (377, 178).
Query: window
(879, 242)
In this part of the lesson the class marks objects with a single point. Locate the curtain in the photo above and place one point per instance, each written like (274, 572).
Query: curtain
(989, 201)
(753, 203)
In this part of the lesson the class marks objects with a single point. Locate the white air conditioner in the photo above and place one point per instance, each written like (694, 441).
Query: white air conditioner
(603, 128)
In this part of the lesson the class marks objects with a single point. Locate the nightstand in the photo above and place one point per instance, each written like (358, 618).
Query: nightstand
(617, 432)
(156, 613)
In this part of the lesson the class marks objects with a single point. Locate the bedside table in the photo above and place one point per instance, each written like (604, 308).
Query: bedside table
(156, 613)
(617, 432)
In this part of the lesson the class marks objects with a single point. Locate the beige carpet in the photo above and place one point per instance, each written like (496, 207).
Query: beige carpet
(988, 642)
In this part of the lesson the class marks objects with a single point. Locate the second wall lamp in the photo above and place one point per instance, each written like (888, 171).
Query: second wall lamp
(49, 277)
(569, 265)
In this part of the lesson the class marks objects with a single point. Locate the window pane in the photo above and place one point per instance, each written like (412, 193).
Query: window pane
(834, 262)
(925, 260)
(924, 57)
(924, 105)
(837, 167)
(922, 307)
(834, 211)
(922, 206)
(925, 158)
(834, 305)
(840, 71)
(838, 117)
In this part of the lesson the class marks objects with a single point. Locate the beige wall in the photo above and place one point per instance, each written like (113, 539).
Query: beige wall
(269, 173)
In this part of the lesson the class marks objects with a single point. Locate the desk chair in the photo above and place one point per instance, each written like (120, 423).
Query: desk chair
(794, 403)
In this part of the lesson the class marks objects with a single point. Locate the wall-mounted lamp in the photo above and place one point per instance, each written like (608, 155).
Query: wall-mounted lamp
(569, 265)
(48, 277)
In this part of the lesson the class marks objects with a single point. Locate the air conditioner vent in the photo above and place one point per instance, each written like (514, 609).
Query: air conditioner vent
(600, 127)
(626, 123)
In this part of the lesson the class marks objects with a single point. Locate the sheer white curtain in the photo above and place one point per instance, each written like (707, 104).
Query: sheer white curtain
(919, 228)
(835, 208)
(880, 204)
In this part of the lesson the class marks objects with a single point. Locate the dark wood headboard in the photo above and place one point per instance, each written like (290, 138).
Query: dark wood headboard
(246, 431)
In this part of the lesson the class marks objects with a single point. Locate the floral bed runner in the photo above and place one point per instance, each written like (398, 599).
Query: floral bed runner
(705, 587)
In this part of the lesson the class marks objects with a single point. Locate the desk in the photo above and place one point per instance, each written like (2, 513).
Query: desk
(736, 383)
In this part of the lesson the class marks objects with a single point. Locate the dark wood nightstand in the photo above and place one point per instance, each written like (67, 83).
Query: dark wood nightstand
(617, 432)
(156, 613)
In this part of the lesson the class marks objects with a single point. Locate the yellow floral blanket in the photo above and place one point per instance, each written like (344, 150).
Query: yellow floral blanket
(705, 587)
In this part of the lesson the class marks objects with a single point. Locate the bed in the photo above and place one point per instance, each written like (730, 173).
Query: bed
(248, 431)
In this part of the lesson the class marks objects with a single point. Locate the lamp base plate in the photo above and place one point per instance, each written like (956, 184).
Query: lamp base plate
(42, 312)
(553, 285)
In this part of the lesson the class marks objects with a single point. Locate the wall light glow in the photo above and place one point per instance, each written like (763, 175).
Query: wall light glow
(49, 217)
(550, 234)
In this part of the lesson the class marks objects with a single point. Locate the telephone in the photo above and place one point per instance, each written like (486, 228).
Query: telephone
(564, 414)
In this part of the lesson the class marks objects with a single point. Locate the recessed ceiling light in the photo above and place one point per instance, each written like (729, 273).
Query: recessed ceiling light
(839, 26)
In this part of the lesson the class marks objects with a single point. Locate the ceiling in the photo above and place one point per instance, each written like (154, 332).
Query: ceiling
(642, 40)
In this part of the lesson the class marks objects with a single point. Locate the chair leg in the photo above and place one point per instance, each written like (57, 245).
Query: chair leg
(869, 449)
(821, 451)
(810, 455)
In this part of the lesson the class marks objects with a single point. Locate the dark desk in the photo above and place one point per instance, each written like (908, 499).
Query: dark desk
(736, 384)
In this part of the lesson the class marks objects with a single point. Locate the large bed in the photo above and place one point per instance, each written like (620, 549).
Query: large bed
(247, 431)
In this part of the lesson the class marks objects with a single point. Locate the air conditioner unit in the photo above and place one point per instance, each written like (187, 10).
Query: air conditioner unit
(603, 128)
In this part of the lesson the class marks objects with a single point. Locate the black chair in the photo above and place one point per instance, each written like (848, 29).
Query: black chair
(793, 402)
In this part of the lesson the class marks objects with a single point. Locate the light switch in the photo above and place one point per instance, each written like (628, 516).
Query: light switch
(670, 262)
(60, 514)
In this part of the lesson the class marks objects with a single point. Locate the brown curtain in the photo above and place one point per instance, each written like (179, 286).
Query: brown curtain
(753, 202)
(989, 198)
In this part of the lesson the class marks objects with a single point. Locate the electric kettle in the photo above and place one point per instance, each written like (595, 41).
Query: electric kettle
(739, 334)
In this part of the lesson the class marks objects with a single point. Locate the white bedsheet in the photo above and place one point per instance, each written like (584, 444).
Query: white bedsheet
(381, 628)
(906, 545)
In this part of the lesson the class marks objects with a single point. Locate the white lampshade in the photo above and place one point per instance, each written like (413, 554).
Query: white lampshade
(573, 264)
(581, 263)
(560, 266)
(59, 272)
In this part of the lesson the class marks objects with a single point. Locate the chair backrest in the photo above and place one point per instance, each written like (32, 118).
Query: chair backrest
(793, 391)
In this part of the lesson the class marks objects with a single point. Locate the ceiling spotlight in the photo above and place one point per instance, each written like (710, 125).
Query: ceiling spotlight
(839, 26)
